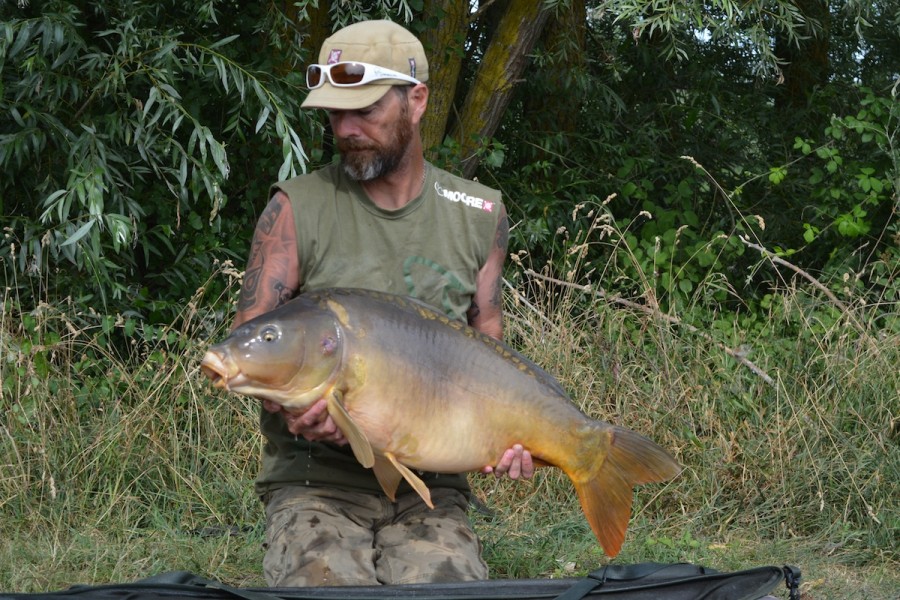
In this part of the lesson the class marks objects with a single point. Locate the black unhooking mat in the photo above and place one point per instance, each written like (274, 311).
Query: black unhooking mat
(643, 581)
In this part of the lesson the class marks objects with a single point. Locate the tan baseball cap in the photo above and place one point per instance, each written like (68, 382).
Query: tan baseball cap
(381, 43)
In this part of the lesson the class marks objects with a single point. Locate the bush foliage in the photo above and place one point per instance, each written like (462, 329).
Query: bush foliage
(138, 140)
(132, 132)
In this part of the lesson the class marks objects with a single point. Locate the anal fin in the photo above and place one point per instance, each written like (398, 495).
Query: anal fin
(387, 475)
(414, 480)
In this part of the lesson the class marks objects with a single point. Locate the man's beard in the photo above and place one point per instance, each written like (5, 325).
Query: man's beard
(365, 161)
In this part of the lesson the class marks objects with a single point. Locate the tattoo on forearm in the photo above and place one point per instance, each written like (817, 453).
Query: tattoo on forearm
(284, 293)
(252, 274)
(262, 285)
(247, 297)
(497, 292)
(502, 243)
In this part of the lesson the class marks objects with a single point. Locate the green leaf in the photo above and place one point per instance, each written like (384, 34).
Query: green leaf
(777, 174)
(495, 158)
(170, 90)
(224, 41)
(22, 39)
(220, 67)
(263, 116)
(151, 98)
(51, 199)
(80, 233)
(809, 233)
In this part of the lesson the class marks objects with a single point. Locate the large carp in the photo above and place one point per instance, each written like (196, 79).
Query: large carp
(414, 390)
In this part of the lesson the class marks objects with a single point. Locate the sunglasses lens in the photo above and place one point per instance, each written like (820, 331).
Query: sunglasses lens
(347, 73)
(313, 76)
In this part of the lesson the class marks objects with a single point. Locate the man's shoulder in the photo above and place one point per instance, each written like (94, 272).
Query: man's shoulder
(466, 193)
(326, 176)
(455, 182)
(327, 172)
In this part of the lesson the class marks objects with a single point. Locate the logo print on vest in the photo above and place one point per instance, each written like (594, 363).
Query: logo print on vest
(457, 196)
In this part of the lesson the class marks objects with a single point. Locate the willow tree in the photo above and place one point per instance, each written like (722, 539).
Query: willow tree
(137, 140)
(132, 133)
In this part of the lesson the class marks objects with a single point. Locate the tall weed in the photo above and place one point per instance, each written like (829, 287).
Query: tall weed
(120, 461)
(111, 435)
(786, 421)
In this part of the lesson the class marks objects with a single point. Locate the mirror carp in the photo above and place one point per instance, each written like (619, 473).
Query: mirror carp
(412, 389)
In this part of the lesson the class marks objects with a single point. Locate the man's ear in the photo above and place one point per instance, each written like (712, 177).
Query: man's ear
(418, 101)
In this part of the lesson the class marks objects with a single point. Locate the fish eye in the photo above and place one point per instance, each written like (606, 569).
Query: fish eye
(269, 334)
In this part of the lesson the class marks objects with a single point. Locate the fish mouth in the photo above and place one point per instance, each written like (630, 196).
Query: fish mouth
(213, 366)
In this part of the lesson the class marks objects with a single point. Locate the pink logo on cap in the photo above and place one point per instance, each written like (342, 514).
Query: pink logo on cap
(334, 56)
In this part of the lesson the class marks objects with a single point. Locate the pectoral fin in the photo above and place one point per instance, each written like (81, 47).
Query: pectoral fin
(362, 449)
(411, 478)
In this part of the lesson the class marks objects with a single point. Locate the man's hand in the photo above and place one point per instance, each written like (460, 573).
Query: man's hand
(515, 462)
(314, 424)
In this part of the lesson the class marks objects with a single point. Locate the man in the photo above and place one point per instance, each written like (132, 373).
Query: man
(387, 220)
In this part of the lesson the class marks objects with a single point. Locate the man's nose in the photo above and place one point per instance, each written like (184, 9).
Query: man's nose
(344, 124)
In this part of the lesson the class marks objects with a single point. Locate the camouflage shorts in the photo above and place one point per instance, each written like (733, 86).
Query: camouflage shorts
(323, 536)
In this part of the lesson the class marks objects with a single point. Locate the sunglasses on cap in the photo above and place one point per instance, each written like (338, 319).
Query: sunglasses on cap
(350, 74)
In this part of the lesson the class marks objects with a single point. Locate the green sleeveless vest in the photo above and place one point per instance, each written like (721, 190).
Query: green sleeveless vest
(431, 249)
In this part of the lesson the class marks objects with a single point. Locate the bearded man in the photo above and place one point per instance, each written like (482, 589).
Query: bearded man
(385, 219)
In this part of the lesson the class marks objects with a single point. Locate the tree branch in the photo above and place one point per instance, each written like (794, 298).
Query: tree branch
(816, 283)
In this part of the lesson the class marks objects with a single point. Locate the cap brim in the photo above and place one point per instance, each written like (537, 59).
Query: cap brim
(345, 98)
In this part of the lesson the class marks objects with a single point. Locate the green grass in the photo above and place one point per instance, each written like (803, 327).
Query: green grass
(117, 461)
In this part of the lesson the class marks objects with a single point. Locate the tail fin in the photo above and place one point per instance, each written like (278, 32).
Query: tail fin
(606, 488)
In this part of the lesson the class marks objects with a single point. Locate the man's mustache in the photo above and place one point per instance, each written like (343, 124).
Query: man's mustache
(351, 145)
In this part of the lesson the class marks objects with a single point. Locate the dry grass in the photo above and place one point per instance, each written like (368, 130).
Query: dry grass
(119, 462)
(790, 455)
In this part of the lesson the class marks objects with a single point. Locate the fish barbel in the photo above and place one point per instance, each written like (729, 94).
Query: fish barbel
(412, 389)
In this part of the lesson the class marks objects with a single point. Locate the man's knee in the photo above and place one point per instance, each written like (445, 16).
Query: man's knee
(310, 542)
(431, 546)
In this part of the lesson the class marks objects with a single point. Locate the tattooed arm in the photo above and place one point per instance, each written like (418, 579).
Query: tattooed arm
(272, 276)
(486, 312)
(271, 279)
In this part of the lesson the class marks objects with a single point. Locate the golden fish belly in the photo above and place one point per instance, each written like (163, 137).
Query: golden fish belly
(458, 423)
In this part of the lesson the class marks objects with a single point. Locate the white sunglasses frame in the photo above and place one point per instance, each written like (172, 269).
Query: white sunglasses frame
(371, 73)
